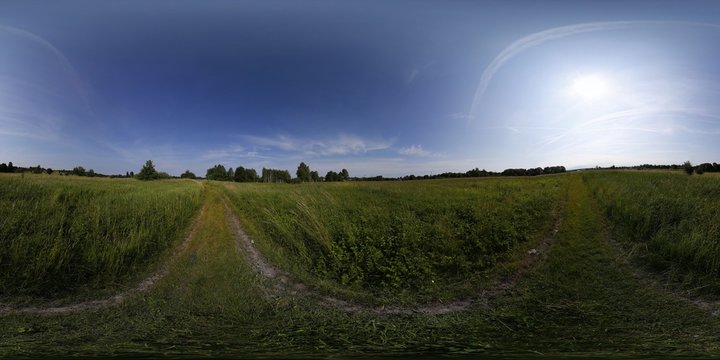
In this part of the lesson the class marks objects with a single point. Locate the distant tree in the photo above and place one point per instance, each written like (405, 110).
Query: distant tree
(332, 176)
(11, 168)
(344, 174)
(91, 173)
(132, 174)
(303, 172)
(217, 172)
(240, 174)
(230, 174)
(4, 168)
(49, 171)
(276, 176)
(148, 171)
(251, 175)
(704, 167)
(163, 175)
(689, 169)
(187, 175)
(79, 171)
(314, 176)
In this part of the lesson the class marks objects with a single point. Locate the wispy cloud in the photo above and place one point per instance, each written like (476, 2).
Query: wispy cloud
(414, 150)
(461, 116)
(541, 37)
(343, 144)
(415, 72)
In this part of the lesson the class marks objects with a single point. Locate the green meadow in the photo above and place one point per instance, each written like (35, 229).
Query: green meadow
(58, 234)
(624, 254)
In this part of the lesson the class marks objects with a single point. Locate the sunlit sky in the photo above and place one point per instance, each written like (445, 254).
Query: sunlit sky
(378, 87)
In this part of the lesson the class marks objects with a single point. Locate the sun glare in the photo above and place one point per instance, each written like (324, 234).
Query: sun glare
(590, 87)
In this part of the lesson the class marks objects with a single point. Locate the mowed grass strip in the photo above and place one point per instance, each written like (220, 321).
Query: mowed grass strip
(668, 221)
(426, 239)
(58, 234)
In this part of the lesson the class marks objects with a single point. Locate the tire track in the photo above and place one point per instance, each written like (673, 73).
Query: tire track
(281, 283)
(114, 300)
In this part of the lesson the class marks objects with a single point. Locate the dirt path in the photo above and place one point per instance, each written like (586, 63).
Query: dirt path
(282, 283)
(117, 299)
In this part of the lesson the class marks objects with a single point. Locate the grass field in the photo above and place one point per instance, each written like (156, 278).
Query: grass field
(669, 221)
(418, 238)
(583, 300)
(61, 233)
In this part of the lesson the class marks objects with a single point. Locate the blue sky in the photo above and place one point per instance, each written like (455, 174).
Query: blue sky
(378, 87)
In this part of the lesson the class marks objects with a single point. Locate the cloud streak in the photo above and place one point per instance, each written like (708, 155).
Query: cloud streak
(62, 59)
(342, 144)
(414, 150)
(544, 36)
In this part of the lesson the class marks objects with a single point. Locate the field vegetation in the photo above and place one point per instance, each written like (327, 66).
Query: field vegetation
(61, 233)
(419, 238)
(399, 242)
(670, 221)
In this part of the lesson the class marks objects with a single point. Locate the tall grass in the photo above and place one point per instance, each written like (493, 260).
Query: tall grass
(60, 233)
(395, 235)
(672, 220)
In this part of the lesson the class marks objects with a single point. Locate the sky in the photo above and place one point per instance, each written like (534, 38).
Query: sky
(386, 88)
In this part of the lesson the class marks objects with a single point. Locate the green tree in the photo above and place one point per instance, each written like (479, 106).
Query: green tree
(49, 171)
(240, 174)
(332, 176)
(251, 175)
(344, 174)
(689, 169)
(303, 172)
(79, 171)
(314, 176)
(148, 171)
(187, 175)
(217, 172)
(91, 173)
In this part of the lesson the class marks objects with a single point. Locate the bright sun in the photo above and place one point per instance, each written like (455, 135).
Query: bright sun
(590, 87)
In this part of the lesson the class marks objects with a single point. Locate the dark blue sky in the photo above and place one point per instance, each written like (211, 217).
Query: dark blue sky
(387, 87)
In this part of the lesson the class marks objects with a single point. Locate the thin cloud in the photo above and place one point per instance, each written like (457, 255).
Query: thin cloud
(342, 144)
(414, 150)
(63, 60)
(541, 37)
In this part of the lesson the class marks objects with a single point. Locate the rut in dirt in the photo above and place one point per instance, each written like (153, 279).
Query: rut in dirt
(281, 283)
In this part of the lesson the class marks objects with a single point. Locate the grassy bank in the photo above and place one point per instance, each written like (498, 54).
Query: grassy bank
(669, 221)
(58, 234)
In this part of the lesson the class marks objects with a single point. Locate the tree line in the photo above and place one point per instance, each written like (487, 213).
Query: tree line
(267, 175)
(305, 174)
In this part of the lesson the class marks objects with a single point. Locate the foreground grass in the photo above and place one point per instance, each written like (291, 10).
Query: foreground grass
(424, 238)
(61, 233)
(580, 302)
(667, 221)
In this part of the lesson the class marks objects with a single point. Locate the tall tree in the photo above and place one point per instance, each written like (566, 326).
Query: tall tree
(303, 172)
(217, 172)
(240, 174)
(148, 171)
